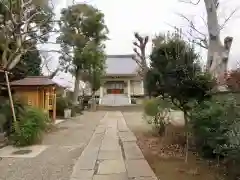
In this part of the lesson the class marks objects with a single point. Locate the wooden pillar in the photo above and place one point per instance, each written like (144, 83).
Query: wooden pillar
(129, 90)
(46, 103)
(38, 104)
(54, 99)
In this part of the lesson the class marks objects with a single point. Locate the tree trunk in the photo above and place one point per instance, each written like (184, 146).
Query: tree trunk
(76, 87)
(145, 71)
(218, 53)
(93, 102)
(145, 90)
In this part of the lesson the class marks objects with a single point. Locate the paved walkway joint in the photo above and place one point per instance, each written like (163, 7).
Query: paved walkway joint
(112, 154)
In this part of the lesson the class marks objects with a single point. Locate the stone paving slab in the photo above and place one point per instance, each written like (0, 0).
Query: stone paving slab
(111, 167)
(110, 146)
(100, 130)
(104, 155)
(127, 136)
(122, 126)
(86, 162)
(120, 176)
(143, 178)
(139, 168)
(83, 174)
(132, 151)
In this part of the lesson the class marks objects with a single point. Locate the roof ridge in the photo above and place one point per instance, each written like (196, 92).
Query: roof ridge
(37, 76)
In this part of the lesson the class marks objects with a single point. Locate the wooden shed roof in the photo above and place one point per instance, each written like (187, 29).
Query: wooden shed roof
(34, 81)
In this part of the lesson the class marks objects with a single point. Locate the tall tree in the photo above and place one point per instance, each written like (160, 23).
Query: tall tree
(82, 31)
(218, 52)
(30, 64)
(96, 71)
(176, 74)
(140, 57)
(22, 25)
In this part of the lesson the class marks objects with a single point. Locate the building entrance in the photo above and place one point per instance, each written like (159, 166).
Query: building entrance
(115, 87)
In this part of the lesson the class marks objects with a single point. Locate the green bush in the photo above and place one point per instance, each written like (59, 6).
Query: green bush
(6, 113)
(151, 107)
(158, 109)
(31, 127)
(61, 104)
(216, 129)
(210, 126)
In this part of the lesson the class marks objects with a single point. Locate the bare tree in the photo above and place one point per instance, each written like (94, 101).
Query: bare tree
(140, 57)
(218, 52)
(46, 59)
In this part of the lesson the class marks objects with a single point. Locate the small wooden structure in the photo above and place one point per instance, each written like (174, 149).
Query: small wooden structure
(37, 91)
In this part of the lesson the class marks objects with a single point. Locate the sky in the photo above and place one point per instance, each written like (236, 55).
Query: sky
(124, 17)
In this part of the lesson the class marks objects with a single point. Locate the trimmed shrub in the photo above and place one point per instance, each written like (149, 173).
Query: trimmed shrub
(32, 125)
(151, 107)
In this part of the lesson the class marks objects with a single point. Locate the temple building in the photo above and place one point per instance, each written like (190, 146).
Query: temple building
(121, 83)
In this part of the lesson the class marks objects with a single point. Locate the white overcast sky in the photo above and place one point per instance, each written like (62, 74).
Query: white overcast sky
(124, 17)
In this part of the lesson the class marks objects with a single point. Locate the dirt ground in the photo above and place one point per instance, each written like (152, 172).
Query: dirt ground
(166, 155)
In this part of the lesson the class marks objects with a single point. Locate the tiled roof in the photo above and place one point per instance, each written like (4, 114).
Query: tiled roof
(121, 65)
(34, 81)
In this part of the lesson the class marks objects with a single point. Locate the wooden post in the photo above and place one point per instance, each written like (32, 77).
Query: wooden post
(11, 101)
(10, 96)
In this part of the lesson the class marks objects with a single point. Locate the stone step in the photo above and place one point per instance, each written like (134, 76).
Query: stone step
(123, 108)
(115, 100)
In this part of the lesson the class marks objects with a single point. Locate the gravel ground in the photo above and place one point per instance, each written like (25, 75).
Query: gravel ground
(136, 122)
(65, 145)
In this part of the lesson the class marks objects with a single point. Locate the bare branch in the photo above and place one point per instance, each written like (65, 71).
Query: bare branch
(192, 25)
(138, 61)
(228, 18)
(26, 3)
(137, 53)
(56, 51)
(203, 42)
(204, 21)
(191, 2)
(9, 9)
(138, 37)
(136, 44)
(45, 63)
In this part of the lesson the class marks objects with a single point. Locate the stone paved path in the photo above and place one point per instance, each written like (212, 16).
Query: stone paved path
(112, 154)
